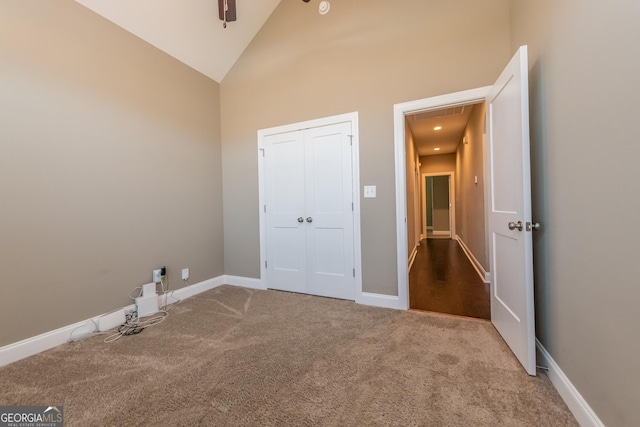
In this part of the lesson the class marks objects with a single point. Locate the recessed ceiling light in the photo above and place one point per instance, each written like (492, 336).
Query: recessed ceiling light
(436, 149)
(437, 128)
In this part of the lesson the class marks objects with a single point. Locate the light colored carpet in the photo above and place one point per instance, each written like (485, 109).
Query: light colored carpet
(240, 357)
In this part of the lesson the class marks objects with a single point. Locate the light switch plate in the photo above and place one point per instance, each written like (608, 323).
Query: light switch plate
(369, 191)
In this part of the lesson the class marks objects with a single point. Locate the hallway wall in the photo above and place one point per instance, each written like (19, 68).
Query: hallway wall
(413, 197)
(470, 212)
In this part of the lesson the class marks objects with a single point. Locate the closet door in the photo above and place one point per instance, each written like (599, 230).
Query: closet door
(329, 209)
(285, 209)
(309, 211)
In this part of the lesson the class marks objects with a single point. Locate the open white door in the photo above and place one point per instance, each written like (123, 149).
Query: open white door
(511, 252)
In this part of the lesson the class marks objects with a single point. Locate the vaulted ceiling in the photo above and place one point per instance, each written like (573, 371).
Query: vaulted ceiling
(189, 30)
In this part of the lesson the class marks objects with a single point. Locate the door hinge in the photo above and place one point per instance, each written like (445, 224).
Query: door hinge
(350, 140)
(265, 264)
(265, 208)
(354, 272)
(351, 206)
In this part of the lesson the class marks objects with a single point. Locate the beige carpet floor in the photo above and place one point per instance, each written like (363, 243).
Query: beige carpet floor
(240, 357)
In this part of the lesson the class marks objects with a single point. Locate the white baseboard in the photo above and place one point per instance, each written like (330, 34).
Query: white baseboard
(379, 300)
(245, 282)
(364, 298)
(474, 261)
(579, 407)
(197, 288)
(412, 257)
(34, 345)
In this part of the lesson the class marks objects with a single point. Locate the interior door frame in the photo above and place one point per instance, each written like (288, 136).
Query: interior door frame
(452, 200)
(472, 96)
(355, 170)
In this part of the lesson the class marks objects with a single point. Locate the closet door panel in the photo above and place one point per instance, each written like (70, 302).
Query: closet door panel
(285, 204)
(329, 206)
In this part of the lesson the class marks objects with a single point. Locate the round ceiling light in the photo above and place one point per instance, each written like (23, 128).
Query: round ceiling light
(324, 7)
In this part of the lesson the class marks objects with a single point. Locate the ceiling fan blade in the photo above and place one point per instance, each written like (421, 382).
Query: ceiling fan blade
(231, 10)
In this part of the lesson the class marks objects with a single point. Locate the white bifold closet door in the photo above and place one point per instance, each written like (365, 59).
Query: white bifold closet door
(309, 211)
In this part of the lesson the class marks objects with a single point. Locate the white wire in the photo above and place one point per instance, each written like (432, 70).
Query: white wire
(139, 295)
(137, 323)
(95, 328)
(147, 322)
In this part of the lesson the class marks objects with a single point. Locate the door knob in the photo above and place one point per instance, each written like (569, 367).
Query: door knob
(309, 219)
(514, 225)
(533, 227)
(300, 219)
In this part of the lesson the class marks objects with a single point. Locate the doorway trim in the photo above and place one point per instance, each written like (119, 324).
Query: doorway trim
(355, 170)
(452, 201)
(466, 97)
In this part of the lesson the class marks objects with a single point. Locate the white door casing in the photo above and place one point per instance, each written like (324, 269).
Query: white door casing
(467, 97)
(511, 252)
(310, 175)
(507, 174)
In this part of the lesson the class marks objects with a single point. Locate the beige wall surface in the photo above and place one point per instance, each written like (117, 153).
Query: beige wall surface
(110, 166)
(470, 214)
(439, 163)
(363, 56)
(584, 67)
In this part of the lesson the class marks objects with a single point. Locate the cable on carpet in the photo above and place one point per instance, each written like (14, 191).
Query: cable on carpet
(134, 325)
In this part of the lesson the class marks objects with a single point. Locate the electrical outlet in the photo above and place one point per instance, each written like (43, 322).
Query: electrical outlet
(157, 275)
(185, 274)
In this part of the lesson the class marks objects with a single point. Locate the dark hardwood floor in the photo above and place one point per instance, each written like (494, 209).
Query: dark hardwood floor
(443, 279)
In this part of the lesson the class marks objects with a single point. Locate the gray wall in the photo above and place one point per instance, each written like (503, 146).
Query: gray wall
(470, 218)
(363, 56)
(584, 67)
(110, 166)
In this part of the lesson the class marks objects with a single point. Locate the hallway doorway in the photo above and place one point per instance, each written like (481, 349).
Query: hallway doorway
(444, 275)
(438, 205)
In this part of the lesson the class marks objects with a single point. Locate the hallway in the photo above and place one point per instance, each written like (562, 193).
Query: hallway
(442, 279)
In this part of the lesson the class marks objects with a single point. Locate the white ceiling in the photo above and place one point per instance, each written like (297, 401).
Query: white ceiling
(189, 30)
(453, 121)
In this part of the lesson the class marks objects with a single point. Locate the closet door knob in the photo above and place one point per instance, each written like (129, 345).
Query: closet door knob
(309, 219)
(515, 225)
(300, 219)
